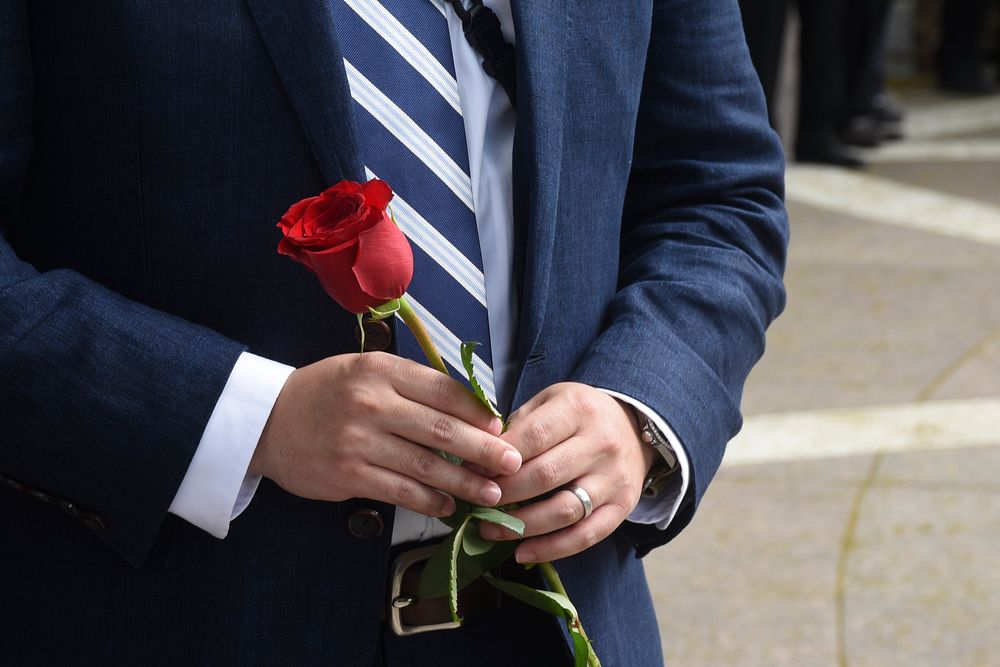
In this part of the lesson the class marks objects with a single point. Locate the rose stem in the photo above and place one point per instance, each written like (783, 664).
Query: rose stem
(420, 333)
(555, 583)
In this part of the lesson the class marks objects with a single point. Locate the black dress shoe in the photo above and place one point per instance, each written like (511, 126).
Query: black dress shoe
(885, 110)
(862, 130)
(829, 152)
(890, 117)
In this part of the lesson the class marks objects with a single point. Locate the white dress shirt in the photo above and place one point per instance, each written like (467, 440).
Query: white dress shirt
(217, 488)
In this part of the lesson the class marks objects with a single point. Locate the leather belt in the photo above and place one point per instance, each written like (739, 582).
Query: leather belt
(409, 615)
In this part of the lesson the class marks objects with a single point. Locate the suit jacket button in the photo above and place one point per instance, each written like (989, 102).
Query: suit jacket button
(378, 335)
(366, 524)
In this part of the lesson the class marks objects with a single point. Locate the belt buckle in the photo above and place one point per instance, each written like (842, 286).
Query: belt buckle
(399, 601)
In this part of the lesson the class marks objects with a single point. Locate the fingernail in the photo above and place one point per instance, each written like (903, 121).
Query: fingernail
(448, 507)
(524, 557)
(496, 426)
(510, 461)
(490, 495)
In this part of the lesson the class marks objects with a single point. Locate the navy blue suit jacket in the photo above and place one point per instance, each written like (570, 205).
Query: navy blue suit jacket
(147, 150)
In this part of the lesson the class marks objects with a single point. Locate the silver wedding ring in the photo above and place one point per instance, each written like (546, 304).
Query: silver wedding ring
(583, 497)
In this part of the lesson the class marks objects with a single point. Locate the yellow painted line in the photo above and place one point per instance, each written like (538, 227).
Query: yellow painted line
(823, 434)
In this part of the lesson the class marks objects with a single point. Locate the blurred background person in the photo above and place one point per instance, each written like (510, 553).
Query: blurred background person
(870, 116)
(842, 98)
(961, 62)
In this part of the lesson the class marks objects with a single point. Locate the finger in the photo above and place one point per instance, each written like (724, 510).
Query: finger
(391, 487)
(439, 430)
(423, 465)
(543, 428)
(530, 405)
(548, 471)
(560, 510)
(568, 541)
(436, 390)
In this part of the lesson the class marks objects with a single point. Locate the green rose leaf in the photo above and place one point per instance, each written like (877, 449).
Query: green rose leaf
(468, 348)
(434, 580)
(581, 648)
(494, 515)
(454, 549)
(474, 544)
(556, 604)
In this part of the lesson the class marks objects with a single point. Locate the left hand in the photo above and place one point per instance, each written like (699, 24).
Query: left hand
(571, 433)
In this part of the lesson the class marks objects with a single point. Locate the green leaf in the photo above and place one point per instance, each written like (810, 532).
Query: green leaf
(434, 579)
(468, 348)
(494, 515)
(556, 604)
(454, 550)
(475, 544)
(581, 648)
(386, 310)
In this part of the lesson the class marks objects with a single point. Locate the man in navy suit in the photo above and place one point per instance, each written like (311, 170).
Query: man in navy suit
(146, 151)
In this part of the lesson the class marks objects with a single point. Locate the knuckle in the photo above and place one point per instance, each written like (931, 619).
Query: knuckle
(590, 537)
(364, 400)
(443, 388)
(393, 491)
(546, 475)
(404, 494)
(375, 363)
(536, 435)
(583, 402)
(488, 451)
(607, 443)
(468, 487)
(443, 429)
(423, 463)
(567, 513)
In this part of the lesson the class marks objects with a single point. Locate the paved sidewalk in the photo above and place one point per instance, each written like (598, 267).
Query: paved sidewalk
(856, 520)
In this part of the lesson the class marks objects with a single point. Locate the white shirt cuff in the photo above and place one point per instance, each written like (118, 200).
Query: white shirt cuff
(662, 509)
(216, 487)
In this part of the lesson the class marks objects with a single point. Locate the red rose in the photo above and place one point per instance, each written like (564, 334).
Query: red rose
(344, 236)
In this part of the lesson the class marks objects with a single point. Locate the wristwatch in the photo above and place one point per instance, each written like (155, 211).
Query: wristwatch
(666, 466)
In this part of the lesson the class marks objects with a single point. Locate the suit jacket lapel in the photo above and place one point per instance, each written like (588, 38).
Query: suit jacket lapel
(301, 40)
(541, 90)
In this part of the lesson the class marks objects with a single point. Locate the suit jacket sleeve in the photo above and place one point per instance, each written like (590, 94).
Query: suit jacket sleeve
(703, 242)
(103, 400)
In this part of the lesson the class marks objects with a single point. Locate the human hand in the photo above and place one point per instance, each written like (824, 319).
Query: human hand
(571, 433)
(367, 426)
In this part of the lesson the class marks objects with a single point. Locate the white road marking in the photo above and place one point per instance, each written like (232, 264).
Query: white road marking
(821, 434)
(977, 150)
(950, 118)
(880, 200)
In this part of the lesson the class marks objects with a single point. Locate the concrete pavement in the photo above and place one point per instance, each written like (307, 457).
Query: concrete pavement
(856, 520)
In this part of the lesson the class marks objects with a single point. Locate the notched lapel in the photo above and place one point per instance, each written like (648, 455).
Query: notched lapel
(302, 43)
(541, 29)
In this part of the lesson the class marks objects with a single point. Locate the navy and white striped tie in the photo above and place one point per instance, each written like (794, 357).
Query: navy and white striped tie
(398, 58)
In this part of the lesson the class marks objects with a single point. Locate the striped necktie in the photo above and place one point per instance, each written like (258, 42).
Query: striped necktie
(397, 54)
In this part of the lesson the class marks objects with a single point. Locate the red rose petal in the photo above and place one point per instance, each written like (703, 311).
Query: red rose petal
(333, 268)
(377, 193)
(383, 267)
(294, 214)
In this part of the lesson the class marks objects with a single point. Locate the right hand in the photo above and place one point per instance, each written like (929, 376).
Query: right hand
(367, 426)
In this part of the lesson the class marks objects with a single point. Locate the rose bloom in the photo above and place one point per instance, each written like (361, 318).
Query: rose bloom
(346, 238)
